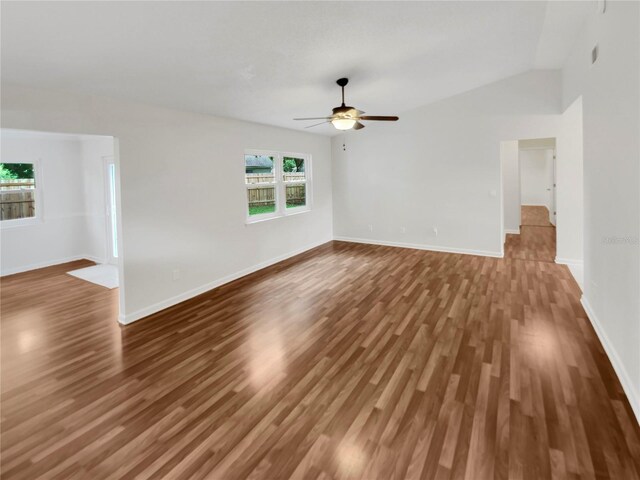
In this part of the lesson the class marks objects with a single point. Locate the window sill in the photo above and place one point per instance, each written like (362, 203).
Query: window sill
(20, 222)
(275, 217)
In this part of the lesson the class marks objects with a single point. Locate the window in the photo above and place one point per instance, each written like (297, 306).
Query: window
(295, 181)
(19, 194)
(277, 184)
(261, 183)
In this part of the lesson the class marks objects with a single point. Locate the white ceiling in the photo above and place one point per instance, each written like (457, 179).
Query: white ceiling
(271, 61)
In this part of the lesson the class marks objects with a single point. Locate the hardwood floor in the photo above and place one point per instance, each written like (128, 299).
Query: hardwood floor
(537, 238)
(534, 215)
(348, 361)
(533, 243)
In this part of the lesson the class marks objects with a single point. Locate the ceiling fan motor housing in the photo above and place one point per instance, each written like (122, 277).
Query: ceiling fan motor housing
(343, 110)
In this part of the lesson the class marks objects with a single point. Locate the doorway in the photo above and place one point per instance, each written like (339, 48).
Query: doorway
(60, 207)
(529, 199)
(537, 165)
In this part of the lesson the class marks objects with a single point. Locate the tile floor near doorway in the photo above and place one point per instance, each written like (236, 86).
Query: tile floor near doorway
(347, 361)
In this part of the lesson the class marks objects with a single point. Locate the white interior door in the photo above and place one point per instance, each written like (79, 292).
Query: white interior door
(111, 211)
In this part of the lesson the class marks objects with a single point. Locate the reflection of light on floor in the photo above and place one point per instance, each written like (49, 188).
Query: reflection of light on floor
(351, 459)
(33, 332)
(266, 357)
(540, 339)
(117, 335)
(26, 340)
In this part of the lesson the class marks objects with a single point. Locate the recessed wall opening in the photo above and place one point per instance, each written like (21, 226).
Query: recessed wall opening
(529, 198)
(542, 192)
(59, 205)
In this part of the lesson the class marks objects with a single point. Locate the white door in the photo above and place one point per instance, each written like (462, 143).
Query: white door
(111, 211)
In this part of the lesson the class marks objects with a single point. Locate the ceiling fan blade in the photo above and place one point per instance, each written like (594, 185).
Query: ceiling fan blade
(379, 118)
(316, 124)
(314, 118)
(358, 126)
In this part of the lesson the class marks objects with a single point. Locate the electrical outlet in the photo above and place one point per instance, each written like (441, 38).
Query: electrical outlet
(371, 228)
(435, 231)
(176, 274)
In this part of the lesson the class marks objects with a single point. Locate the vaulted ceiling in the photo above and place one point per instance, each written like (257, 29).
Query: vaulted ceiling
(268, 62)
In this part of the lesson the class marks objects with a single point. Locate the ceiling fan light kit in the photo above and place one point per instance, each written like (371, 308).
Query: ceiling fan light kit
(343, 123)
(345, 117)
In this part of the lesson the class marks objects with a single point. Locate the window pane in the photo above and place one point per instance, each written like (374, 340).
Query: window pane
(293, 169)
(296, 196)
(259, 169)
(262, 199)
(17, 191)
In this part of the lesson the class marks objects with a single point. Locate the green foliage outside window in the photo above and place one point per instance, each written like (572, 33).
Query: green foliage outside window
(292, 164)
(10, 171)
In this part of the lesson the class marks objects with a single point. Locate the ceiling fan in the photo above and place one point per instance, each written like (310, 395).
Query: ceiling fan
(345, 117)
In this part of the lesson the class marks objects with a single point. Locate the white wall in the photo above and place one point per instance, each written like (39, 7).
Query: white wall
(536, 176)
(569, 195)
(182, 191)
(510, 186)
(94, 150)
(61, 232)
(439, 166)
(610, 101)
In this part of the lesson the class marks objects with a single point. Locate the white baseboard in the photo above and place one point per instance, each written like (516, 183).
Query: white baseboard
(49, 263)
(577, 270)
(569, 261)
(432, 248)
(150, 310)
(512, 231)
(618, 366)
(576, 267)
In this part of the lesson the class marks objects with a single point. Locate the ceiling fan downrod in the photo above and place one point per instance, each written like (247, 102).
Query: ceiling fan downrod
(343, 83)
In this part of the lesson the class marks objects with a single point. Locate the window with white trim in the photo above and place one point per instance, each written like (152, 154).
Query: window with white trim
(19, 193)
(276, 183)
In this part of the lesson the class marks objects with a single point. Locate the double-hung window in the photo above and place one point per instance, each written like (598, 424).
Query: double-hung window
(20, 195)
(277, 184)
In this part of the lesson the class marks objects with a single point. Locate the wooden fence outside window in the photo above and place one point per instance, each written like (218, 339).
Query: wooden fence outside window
(262, 191)
(17, 199)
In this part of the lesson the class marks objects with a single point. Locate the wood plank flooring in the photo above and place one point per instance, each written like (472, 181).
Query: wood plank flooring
(348, 361)
(537, 238)
(533, 243)
(534, 215)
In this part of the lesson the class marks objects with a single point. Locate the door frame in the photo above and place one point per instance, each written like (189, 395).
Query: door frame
(553, 187)
(110, 203)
